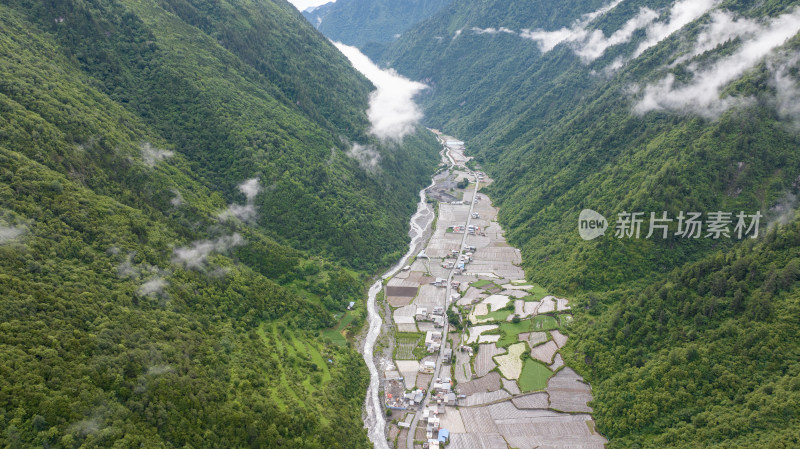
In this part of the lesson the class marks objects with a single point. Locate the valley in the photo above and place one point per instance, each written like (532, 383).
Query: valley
(471, 350)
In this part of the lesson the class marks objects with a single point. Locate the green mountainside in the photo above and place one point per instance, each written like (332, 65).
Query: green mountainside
(181, 227)
(362, 22)
(687, 342)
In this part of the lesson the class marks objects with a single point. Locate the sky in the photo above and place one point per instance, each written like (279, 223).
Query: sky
(303, 4)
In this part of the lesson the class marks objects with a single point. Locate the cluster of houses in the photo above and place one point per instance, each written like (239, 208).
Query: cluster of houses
(470, 229)
(443, 396)
(436, 315)
(433, 341)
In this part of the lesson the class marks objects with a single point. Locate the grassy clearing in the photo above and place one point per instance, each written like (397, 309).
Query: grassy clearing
(497, 315)
(481, 283)
(534, 376)
(510, 331)
(537, 292)
(544, 323)
(336, 333)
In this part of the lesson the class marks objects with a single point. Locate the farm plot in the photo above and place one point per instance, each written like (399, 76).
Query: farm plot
(473, 295)
(534, 376)
(463, 372)
(511, 386)
(547, 305)
(406, 345)
(451, 420)
(507, 411)
(544, 323)
(478, 420)
(430, 296)
(510, 332)
(558, 362)
(532, 401)
(510, 365)
(496, 302)
(485, 398)
(524, 309)
(545, 352)
(476, 331)
(477, 441)
(517, 294)
(568, 392)
(562, 431)
(490, 382)
(533, 338)
(408, 369)
(484, 359)
(559, 338)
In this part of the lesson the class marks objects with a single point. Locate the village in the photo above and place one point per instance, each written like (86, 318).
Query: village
(476, 360)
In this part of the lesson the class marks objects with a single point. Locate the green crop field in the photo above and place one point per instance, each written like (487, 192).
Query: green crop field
(534, 376)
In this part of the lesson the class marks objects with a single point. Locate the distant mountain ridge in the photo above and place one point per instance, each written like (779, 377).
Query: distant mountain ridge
(361, 22)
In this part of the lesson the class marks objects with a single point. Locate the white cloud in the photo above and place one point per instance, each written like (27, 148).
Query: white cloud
(247, 211)
(702, 95)
(681, 14)
(152, 155)
(787, 91)
(250, 188)
(392, 111)
(195, 255)
(366, 155)
(11, 233)
(491, 30)
(177, 200)
(723, 27)
(547, 40)
(596, 43)
(154, 286)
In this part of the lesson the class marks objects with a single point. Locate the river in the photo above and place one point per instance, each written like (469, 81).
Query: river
(374, 418)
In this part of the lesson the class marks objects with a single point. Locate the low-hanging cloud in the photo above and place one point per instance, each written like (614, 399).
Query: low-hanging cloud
(196, 254)
(250, 188)
(491, 30)
(177, 200)
(787, 91)
(702, 95)
(596, 43)
(392, 111)
(10, 234)
(366, 155)
(247, 211)
(681, 14)
(152, 155)
(153, 277)
(154, 286)
(547, 40)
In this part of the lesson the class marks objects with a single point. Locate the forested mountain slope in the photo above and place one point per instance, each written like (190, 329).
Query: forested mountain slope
(361, 22)
(642, 106)
(181, 216)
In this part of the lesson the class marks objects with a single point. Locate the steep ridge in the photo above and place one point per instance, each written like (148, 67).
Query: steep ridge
(178, 236)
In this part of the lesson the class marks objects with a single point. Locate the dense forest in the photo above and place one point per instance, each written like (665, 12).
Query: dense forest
(182, 228)
(641, 106)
